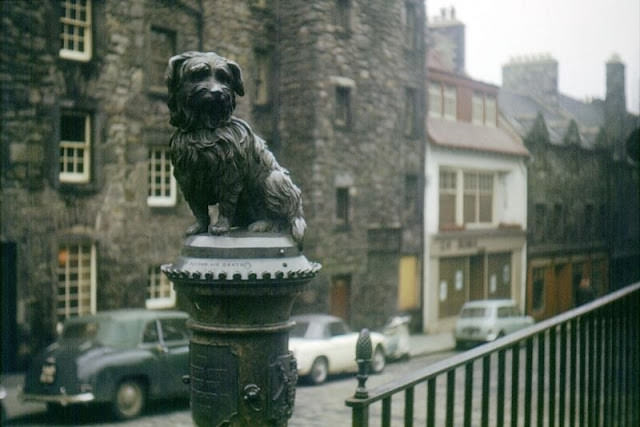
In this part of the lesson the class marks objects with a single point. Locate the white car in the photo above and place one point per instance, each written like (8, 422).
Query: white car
(324, 345)
(486, 320)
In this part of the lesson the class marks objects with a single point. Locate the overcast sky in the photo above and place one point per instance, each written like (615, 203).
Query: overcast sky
(580, 34)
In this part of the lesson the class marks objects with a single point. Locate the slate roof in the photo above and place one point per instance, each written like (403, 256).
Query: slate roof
(467, 136)
(521, 111)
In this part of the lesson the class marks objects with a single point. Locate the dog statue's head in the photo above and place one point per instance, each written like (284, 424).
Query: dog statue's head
(202, 88)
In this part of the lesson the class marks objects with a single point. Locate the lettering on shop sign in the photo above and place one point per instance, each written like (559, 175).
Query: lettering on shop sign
(467, 243)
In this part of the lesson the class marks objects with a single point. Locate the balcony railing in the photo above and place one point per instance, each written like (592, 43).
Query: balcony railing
(581, 368)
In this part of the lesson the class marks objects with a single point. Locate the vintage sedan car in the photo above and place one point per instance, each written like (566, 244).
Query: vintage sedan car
(118, 357)
(324, 345)
(486, 320)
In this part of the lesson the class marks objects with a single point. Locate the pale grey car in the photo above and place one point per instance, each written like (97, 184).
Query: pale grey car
(487, 320)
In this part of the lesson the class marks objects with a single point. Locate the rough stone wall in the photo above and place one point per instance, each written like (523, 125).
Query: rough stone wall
(372, 156)
(38, 212)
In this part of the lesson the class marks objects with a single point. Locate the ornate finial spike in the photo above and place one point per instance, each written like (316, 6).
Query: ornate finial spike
(364, 350)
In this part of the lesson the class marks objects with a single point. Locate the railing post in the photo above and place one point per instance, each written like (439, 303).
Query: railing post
(364, 352)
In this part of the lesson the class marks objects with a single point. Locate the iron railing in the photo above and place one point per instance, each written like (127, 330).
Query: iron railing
(581, 368)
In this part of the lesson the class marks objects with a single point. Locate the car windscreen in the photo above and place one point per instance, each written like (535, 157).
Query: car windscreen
(109, 332)
(299, 330)
(473, 312)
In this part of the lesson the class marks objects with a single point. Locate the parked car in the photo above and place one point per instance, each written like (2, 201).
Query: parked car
(119, 357)
(324, 345)
(486, 320)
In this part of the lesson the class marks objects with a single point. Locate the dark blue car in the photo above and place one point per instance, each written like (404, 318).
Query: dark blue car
(119, 357)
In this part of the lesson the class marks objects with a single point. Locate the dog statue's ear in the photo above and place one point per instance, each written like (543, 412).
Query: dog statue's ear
(172, 78)
(237, 84)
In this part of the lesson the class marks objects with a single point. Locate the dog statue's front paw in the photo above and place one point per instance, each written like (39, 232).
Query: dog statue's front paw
(220, 227)
(261, 226)
(196, 228)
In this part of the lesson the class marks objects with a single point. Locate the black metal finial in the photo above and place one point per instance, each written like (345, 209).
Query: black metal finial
(364, 350)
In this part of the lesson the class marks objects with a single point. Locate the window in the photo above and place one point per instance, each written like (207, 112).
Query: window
(477, 109)
(539, 218)
(75, 30)
(538, 289)
(589, 214)
(447, 202)
(343, 106)
(411, 197)
(556, 228)
(478, 198)
(410, 112)
(174, 329)
(411, 27)
(163, 46)
(343, 15)
(450, 106)
(76, 280)
(150, 333)
(490, 111)
(162, 184)
(435, 100)
(75, 147)
(160, 293)
(261, 95)
(337, 329)
(342, 206)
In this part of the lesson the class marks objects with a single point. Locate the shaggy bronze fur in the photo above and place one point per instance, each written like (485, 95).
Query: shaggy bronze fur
(217, 158)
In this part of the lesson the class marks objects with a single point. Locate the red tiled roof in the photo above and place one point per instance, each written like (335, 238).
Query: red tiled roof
(467, 136)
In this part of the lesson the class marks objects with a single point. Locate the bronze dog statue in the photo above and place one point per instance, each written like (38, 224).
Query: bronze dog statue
(217, 158)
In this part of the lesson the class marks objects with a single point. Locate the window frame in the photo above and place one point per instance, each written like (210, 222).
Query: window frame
(86, 54)
(158, 60)
(435, 94)
(342, 216)
(343, 107)
(459, 193)
(163, 201)
(157, 283)
(262, 78)
(74, 177)
(450, 102)
(67, 283)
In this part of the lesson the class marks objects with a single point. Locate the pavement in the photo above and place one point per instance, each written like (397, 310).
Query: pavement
(424, 344)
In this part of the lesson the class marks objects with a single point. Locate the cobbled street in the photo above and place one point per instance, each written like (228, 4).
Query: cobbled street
(315, 405)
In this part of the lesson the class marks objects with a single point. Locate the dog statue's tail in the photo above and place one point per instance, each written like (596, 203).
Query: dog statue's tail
(284, 198)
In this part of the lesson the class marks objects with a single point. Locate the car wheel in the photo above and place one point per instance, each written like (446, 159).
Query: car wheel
(378, 361)
(319, 371)
(55, 409)
(129, 399)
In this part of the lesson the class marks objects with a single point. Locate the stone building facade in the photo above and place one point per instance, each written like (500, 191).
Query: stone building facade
(89, 208)
(583, 188)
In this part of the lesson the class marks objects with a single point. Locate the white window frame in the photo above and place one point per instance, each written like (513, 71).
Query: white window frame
(160, 290)
(477, 109)
(490, 111)
(76, 177)
(460, 193)
(84, 26)
(435, 100)
(449, 105)
(477, 192)
(168, 189)
(85, 286)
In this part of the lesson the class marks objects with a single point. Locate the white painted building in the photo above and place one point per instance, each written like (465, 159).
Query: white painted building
(475, 201)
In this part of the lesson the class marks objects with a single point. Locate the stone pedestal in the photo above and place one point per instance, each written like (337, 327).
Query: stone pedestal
(240, 289)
